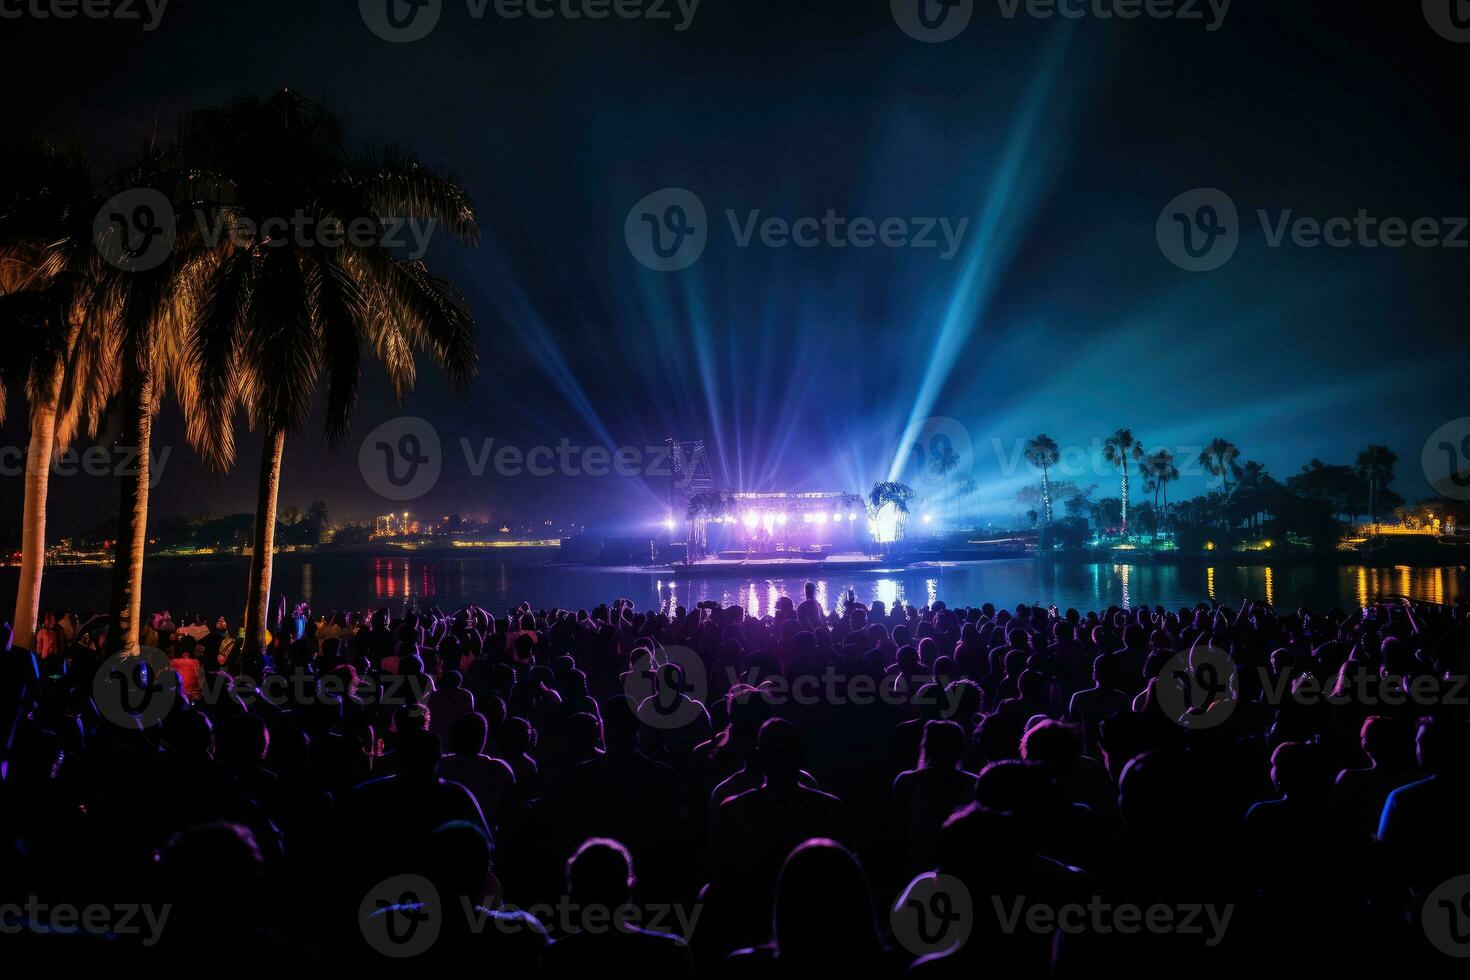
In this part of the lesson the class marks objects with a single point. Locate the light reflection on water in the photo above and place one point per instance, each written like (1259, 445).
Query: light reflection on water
(215, 588)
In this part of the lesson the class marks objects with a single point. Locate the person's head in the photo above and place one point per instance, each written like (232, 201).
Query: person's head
(1299, 770)
(456, 858)
(600, 873)
(824, 906)
(468, 734)
(779, 750)
(1054, 743)
(941, 746)
(1383, 739)
(1105, 671)
(811, 590)
(1443, 745)
(418, 754)
(244, 740)
(452, 680)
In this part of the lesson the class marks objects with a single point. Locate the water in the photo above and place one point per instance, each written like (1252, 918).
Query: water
(357, 582)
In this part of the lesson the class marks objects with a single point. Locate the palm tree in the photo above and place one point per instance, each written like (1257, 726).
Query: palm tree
(280, 314)
(1042, 451)
(144, 334)
(900, 495)
(943, 464)
(1117, 449)
(1161, 471)
(1375, 466)
(967, 487)
(1219, 459)
(47, 269)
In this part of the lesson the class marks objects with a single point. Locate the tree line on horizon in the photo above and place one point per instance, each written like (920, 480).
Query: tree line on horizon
(227, 325)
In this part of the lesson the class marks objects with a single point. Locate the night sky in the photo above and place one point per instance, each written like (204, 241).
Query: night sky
(1060, 141)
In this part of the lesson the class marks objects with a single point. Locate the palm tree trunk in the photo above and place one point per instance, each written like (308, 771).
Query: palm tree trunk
(33, 519)
(132, 525)
(1046, 492)
(261, 556)
(1124, 502)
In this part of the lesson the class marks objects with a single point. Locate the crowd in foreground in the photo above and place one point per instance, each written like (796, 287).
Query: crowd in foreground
(934, 791)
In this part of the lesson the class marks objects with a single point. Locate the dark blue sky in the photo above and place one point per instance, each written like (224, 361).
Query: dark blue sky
(1060, 142)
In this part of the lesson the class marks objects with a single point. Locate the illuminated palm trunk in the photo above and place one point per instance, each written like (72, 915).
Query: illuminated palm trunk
(126, 607)
(33, 521)
(261, 555)
(1125, 497)
(1046, 492)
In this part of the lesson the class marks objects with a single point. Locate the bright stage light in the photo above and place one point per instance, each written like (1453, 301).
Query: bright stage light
(751, 520)
(669, 523)
(768, 519)
(836, 515)
(885, 525)
(806, 518)
(852, 515)
(928, 518)
(822, 517)
(781, 519)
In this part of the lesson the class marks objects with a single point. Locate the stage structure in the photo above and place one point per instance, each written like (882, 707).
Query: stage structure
(690, 481)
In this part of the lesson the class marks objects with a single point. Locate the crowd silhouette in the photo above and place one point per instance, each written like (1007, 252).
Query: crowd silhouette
(935, 791)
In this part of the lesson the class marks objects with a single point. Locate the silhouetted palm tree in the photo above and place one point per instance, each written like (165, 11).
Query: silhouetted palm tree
(1219, 459)
(1161, 471)
(48, 270)
(1375, 465)
(1042, 451)
(1117, 449)
(282, 314)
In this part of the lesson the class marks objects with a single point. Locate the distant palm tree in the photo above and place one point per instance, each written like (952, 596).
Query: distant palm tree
(1117, 450)
(968, 487)
(1219, 458)
(281, 314)
(1042, 451)
(944, 463)
(1375, 466)
(48, 271)
(1161, 471)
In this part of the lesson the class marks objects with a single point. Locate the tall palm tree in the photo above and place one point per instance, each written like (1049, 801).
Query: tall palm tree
(1219, 458)
(1117, 449)
(47, 269)
(143, 332)
(1161, 471)
(1375, 466)
(1042, 451)
(900, 495)
(281, 314)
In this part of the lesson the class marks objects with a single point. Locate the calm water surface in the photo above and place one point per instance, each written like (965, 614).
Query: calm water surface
(354, 582)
